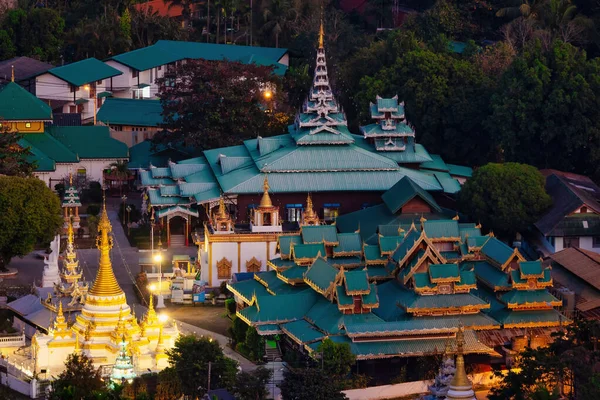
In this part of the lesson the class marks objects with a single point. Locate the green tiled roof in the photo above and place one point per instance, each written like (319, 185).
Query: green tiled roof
(85, 71)
(347, 262)
(516, 319)
(247, 289)
(468, 277)
(41, 160)
(389, 243)
(371, 298)
(17, 104)
(319, 234)
(281, 264)
(279, 309)
(528, 296)
(404, 191)
(131, 112)
(321, 274)
(320, 136)
(348, 243)
(449, 184)
(468, 230)
(497, 250)
(356, 281)
(491, 275)
(436, 164)
(285, 242)
(90, 141)
(377, 272)
(441, 229)
(325, 315)
(530, 267)
(49, 146)
(294, 273)
(302, 331)
(372, 253)
(421, 280)
(343, 299)
(167, 51)
(459, 170)
(477, 241)
(406, 244)
(308, 250)
(443, 271)
(391, 103)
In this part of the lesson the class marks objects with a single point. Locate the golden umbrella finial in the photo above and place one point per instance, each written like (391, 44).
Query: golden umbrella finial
(265, 202)
(12, 73)
(321, 32)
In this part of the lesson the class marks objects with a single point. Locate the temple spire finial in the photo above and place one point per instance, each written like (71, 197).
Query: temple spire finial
(265, 202)
(460, 387)
(12, 73)
(321, 32)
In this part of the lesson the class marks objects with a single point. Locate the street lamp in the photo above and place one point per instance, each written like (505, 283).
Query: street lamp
(160, 302)
(268, 95)
(89, 89)
(124, 198)
(128, 209)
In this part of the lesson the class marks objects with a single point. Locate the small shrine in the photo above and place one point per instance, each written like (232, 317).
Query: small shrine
(266, 215)
(71, 201)
(460, 387)
(221, 220)
(71, 284)
(122, 370)
(309, 216)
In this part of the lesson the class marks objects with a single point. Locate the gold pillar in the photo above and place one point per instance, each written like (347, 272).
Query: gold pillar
(267, 262)
(239, 256)
(210, 264)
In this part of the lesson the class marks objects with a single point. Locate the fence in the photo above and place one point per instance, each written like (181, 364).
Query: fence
(12, 340)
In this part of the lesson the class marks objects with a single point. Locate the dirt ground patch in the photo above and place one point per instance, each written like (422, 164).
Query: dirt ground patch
(212, 318)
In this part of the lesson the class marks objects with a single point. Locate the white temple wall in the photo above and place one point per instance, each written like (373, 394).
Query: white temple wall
(238, 254)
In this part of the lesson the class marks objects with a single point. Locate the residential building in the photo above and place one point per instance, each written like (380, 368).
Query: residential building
(57, 151)
(23, 69)
(574, 218)
(77, 88)
(168, 9)
(131, 121)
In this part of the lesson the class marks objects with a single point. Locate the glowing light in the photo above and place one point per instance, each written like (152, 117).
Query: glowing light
(86, 87)
(268, 94)
(163, 318)
(157, 258)
(152, 287)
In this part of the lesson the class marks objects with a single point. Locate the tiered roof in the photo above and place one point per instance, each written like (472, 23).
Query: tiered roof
(318, 154)
(413, 286)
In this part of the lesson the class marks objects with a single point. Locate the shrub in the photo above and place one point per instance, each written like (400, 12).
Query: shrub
(230, 306)
(93, 209)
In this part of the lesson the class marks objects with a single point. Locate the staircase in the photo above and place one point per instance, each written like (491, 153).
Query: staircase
(272, 352)
(177, 241)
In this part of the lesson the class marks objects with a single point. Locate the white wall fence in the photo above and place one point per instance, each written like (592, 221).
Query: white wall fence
(20, 380)
(485, 379)
(12, 340)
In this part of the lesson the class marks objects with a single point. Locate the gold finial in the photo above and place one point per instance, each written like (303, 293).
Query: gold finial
(12, 73)
(265, 202)
(456, 217)
(478, 226)
(70, 179)
(105, 283)
(222, 210)
(60, 311)
(321, 32)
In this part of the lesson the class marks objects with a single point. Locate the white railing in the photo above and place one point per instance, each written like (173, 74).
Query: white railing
(12, 340)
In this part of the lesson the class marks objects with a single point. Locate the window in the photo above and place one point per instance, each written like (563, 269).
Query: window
(72, 88)
(81, 172)
(27, 124)
(159, 67)
(294, 212)
(134, 73)
(73, 109)
(224, 269)
(331, 211)
(596, 241)
(99, 82)
(571, 242)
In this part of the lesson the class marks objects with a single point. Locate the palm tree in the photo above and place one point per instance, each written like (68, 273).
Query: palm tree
(120, 171)
(278, 16)
(529, 9)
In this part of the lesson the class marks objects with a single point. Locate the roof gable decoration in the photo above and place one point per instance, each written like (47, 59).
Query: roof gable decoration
(418, 263)
(405, 190)
(421, 243)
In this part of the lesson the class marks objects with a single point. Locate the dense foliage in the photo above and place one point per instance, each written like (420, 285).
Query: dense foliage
(309, 384)
(30, 214)
(506, 198)
(13, 158)
(211, 104)
(79, 381)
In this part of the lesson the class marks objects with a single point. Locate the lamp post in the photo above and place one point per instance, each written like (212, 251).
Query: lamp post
(128, 209)
(160, 302)
(268, 95)
(124, 198)
(88, 88)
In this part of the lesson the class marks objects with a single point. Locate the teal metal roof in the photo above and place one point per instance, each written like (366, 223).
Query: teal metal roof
(448, 183)
(389, 243)
(406, 244)
(302, 331)
(477, 241)
(356, 281)
(404, 191)
(319, 234)
(17, 104)
(377, 272)
(459, 170)
(371, 298)
(436, 164)
(438, 229)
(325, 315)
(343, 299)
(375, 130)
(308, 250)
(444, 271)
(517, 319)
(491, 275)
(468, 277)
(373, 253)
(279, 309)
(85, 71)
(37, 157)
(285, 242)
(349, 243)
(294, 273)
(421, 280)
(530, 268)
(269, 329)
(144, 154)
(335, 135)
(167, 51)
(321, 274)
(49, 146)
(131, 112)
(497, 251)
(281, 264)
(469, 230)
(90, 141)
(247, 289)
(389, 104)
(522, 297)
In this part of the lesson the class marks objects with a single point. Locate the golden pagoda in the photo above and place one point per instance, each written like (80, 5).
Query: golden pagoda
(222, 220)
(266, 215)
(461, 387)
(309, 216)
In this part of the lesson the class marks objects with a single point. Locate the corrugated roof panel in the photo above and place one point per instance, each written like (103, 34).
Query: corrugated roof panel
(85, 71)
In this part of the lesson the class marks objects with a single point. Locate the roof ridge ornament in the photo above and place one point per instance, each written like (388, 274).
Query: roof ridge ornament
(12, 73)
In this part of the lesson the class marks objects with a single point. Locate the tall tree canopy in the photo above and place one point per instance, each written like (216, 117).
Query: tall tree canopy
(30, 214)
(213, 104)
(79, 381)
(506, 198)
(309, 384)
(13, 158)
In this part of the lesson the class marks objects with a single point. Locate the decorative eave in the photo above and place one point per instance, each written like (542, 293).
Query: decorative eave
(516, 254)
(470, 309)
(534, 305)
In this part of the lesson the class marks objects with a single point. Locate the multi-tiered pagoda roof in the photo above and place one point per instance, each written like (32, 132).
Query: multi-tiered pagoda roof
(412, 284)
(318, 154)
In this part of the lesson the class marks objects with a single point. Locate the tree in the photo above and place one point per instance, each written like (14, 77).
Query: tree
(255, 344)
(216, 103)
(126, 24)
(555, 123)
(79, 381)
(136, 390)
(337, 358)
(13, 157)
(30, 214)
(309, 384)
(190, 358)
(169, 385)
(252, 385)
(278, 16)
(506, 198)
(7, 47)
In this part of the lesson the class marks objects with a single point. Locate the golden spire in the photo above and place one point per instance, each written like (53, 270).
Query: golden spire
(460, 383)
(321, 32)
(309, 206)
(105, 283)
(265, 202)
(222, 210)
(12, 73)
(70, 179)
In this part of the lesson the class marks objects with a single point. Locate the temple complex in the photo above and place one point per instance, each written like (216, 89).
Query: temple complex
(318, 157)
(105, 323)
(401, 288)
